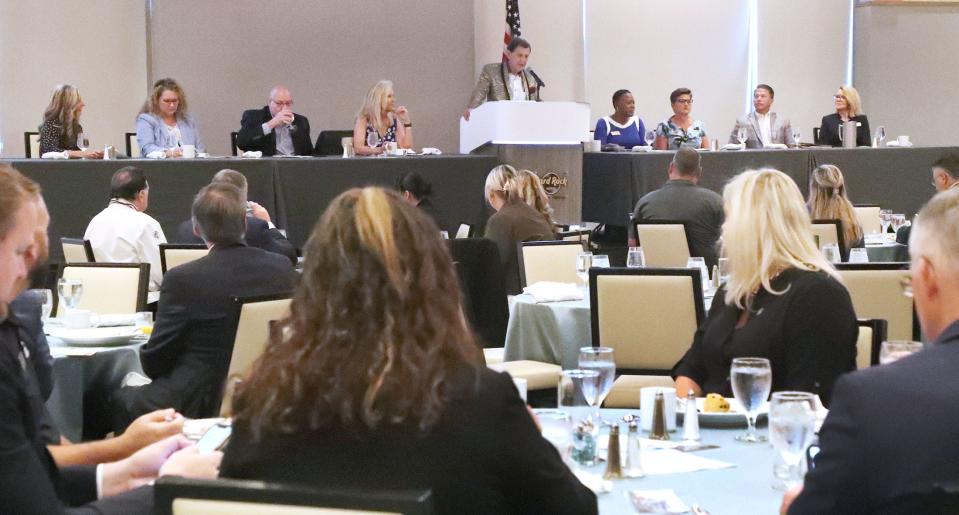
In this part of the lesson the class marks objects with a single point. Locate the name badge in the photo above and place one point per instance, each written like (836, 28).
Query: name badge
(614, 133)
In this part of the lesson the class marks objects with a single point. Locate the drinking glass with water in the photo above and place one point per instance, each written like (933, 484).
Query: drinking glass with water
(601, 360)
(70, 291)
(635, 258)
(752, 379)
(792, 421)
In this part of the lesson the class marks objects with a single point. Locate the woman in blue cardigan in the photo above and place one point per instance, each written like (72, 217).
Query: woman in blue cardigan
(164, 124)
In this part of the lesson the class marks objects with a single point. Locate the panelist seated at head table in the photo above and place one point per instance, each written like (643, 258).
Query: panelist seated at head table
(164, 124)
(393, 394)
(623, 127)
(762, 126)
(509, 80)
(848, 110)
(379, 121)
(61, 130)
(275, 129)
(680, 129)
(783, 301)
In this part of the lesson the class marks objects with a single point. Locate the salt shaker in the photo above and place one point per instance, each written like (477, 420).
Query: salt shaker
(691, 418)
(633, 467)
(658, 431)
(613, 468)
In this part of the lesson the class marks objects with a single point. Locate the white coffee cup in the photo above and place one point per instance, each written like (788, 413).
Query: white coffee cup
(391, 148)
(521, 385)
(81, 319)
(592, 145)
(647, 402)
(903, 140)
(189, 151)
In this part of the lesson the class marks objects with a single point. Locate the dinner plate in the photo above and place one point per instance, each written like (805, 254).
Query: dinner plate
(733, 418)
(95, 336)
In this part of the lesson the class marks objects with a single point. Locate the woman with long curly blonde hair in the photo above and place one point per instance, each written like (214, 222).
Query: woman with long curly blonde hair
(828, 201)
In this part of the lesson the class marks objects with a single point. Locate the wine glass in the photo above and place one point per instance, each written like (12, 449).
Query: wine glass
(723, 270)
(751, 379)
(898, 220)
(650, 137)
(885, 218)
(584, 261)
(741, 136)
(792, 421)
(797, 135)
(635, 258)
(83, 142)
(372, 139)
(894, 350)
(70, 291)
(601, 360)
(46, 303)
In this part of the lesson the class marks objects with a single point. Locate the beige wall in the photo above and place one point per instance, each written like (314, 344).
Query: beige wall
(906, 70)
(328, 52)
(98, 46)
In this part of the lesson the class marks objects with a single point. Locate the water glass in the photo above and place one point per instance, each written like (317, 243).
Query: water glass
(46, 303)
(751, 379)
(601, 261)
(700, 264)
(650, 137)
(83, 142)
(70, 291)
(723, 270)
(858, 255)
(601, 360)
(741, 136)
(792, 422)
(898, 220)
(557, 428)
(584, 261)
(797, 135)
(894, 350)
(372, 139)
(635, 258)
(576, 394)
(885, 218)
(831, 252)
(143, 320)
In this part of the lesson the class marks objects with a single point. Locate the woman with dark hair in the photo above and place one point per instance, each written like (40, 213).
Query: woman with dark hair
(623, 127)
(61, 124)
(375, 380)
(680, 129)
(417, 191)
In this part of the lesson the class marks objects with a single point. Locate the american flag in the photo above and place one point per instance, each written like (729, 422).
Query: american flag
(512, 24)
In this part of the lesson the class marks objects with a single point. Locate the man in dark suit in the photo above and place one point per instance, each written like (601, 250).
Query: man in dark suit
(260, 231)
(275, 129)
(890, 432)
(189, 351)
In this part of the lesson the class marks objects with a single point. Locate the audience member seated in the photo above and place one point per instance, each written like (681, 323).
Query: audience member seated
(848, 109)
(417, 191)
(61, 124)
(680, 129)
(275, 129)
(379, 122)
(945, 176)
(30, 480)
(188, 353)
(513, 222)
(783, 301)
(890, 432)
(390, 390)
(682, 199)
(123, 232)
(164, 125)
(506, 80)
(260, 231)
(623, 127)
(763, 127)
(532, 192)
(828, 201)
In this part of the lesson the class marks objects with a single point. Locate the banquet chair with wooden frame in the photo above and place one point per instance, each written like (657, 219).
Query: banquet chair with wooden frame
(876, 292)
(581, 235)
(234, 150)
(648, 316)
(868, 217)
(665, 243)
(830, 231)
(77, 250)
(110, 288)
(553, 260)
(31, 145)
(176, 254)
(132, 145)
(176, 495)
(253, 316)
(872, 332)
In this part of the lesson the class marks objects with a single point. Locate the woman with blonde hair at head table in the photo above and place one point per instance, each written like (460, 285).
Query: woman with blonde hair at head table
(381, 121)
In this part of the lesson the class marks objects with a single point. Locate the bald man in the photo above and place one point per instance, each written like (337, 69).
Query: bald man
(275, 129)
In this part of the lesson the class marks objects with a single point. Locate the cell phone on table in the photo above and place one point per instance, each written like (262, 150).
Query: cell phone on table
(215, 438)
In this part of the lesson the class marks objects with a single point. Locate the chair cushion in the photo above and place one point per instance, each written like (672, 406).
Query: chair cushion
(538, 375)
(625, 392)
(494, 355)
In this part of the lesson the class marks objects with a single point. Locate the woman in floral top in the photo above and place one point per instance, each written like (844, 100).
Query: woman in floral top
(680, 130)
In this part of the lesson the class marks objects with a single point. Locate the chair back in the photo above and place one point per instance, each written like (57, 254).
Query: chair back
(110, 288)
(330, 142)
(579, 235)
(868, 217)
(77, 250)
(464, 231)
(176, 254)
(548, 261)
(647, 315)
(876, 292)
(815, 135)
(664, 243)
(830, 231)
(253, 316)
(234, 150)
(31, 144)
(132, 146)
(176, 495)
(481, 278)
(872, 333)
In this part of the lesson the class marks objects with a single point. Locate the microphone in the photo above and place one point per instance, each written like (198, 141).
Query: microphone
(539, 81)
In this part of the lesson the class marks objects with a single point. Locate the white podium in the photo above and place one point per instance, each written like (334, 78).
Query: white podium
(545, 137)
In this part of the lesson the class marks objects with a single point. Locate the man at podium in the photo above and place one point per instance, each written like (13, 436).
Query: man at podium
(510, 80)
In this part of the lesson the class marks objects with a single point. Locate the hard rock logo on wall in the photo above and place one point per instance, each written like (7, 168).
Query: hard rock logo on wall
(553, 182)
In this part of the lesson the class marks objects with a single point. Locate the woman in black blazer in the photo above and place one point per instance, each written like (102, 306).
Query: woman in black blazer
(848, 109)
(375, 381)
(783, 301)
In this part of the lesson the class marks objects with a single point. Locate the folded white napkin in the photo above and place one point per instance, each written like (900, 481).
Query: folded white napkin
(779, 146)
(734, 146)
(252, 153)
(430, 151)
(642, 148)
(157, 154)
(663, 500)
(55, 155)
(117, 320)
(895, 143)
(546, 291)
(593, 481)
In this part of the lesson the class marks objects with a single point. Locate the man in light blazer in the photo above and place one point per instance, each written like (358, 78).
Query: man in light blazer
(511, 80)
(764, 127)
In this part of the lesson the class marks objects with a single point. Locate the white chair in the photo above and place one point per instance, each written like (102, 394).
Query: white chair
(868, 217)
(110, 288)
(133, 146)
(648, 316)
(76, 250)
(31, 145)
(876, 292)
(538, 375)
(664, 243)
(548, 261)
(830, 232)
(173, 254)
(868, 344)
(464, 231)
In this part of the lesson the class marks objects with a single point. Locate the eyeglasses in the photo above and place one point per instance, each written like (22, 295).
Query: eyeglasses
(171, 102)
(839, 97)
(284, 104)
(685, 101)
(906, 284)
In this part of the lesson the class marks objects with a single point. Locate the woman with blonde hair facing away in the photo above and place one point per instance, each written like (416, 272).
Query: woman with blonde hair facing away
(533, 193)
(164, 124)
(783, 301)
(375, 380)
(379, 122)
(828, 201)
(848, 110)
(513, 222)
(61, 124)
